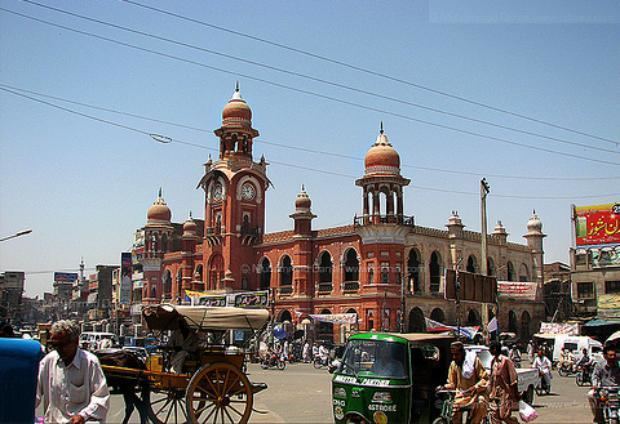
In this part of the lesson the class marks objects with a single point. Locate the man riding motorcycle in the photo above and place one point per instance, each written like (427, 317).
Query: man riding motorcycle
(468, 377)
(543, 365)
(606, 374)
(585, 364)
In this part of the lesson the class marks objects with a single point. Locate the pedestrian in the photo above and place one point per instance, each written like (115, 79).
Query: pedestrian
(71, 382)
(306, 352)
(543, 365)
(530, 351)
(504, 392)
(315, 350)
(6, 330)
(285, 350)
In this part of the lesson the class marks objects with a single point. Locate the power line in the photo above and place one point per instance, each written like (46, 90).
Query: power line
(311, 93)
(320, 80)
(296, 166)
(308, 150)
(371, 72)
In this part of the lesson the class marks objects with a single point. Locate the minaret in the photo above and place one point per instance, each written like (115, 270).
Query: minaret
(534, 239)
(303, 215)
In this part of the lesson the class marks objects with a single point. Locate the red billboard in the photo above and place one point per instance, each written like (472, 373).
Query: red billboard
(596, 225)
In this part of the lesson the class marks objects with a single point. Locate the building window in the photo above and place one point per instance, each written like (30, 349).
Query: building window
(385, 273)
(371, 276)
(612, 287)
(585, 290)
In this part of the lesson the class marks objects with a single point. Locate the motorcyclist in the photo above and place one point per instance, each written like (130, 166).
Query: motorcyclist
(515, 355)
(606, 374)
(543, 365)
(585, 363)
(567, 359)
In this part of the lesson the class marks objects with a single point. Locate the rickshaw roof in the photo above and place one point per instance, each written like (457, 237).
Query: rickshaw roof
(402, 338)
(166, 317)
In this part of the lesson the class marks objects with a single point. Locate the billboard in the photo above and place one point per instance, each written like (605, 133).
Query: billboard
(597, 225)
(65, 277)
(126, 284)
(473, 287)
(608, 306)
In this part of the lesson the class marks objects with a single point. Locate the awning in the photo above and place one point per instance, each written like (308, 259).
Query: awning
(597, 322)
(613, 337)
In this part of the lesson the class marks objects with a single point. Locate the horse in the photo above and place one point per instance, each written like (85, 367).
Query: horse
(126, 385)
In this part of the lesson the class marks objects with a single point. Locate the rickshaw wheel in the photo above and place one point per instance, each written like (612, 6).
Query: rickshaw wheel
(168, 409)
(219, 393)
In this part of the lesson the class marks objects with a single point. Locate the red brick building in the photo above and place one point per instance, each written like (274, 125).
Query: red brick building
(359, 268)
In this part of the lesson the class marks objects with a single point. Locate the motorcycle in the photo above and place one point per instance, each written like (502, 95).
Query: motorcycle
(566, 369)
(583, 376)
(609, 401)
(273, 361)
(543, 387)
(320, 363)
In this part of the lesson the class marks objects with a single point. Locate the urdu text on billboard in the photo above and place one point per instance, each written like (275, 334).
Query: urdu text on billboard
(597, 225)
(65, 277)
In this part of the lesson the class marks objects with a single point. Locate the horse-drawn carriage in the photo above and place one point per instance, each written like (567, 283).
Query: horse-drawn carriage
(211, 386)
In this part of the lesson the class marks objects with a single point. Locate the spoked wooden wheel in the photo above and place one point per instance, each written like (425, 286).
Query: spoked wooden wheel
(219, 394)
(168, 407)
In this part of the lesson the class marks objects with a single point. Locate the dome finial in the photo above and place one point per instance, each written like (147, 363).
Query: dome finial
(237, 86)
(303, 188)
(190, 215)
(159, 192)
(381, 130)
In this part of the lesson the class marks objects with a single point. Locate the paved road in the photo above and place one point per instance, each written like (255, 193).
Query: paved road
(300, 394)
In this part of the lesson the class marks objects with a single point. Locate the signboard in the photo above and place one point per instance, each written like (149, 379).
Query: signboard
(605, 257)
(517, 290)
(570, 329)
(608, 306)
(256, 299)
(596, 225)
(252, 299)
(126, 284)
(65, 277)
(473, 287)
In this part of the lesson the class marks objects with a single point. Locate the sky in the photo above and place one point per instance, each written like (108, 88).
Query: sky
(83, 185)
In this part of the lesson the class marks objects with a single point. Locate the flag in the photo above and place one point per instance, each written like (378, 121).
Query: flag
(492, 326)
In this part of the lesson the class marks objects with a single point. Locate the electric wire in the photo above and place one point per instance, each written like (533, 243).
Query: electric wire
(321, 80)
(305, 149)
(315, 94)
(374, 73)
(183, 142)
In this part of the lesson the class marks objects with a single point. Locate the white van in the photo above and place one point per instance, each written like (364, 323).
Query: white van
(576, 344)
(90, 340)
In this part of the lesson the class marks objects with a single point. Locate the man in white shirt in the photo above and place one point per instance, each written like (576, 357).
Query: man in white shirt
(543, 365)
(71, 381)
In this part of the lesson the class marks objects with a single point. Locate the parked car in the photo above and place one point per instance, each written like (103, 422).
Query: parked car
(528, 378)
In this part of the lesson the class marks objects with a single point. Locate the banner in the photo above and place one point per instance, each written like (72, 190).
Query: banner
(571, 329)
(608, 306)
(65, 277)
(438, 327)
(517, 290)
(335, 318)
(597, 225)
(605, 257)
(126, 284)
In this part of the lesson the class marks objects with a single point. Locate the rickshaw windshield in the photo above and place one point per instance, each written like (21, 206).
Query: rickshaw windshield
(375, 358)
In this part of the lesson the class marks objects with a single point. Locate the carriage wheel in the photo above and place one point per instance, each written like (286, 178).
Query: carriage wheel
(168, 407)
(219, 394)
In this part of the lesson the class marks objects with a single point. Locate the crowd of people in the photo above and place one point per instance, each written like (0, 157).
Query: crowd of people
(294, 351)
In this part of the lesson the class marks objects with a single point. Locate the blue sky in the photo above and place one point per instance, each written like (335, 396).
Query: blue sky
(84, 186)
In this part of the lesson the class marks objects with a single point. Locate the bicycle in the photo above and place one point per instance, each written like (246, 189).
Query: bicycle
(447, 408)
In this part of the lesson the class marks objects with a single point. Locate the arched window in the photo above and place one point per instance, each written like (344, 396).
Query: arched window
(525, 326)
(417, 323)
(153, 292)
(325, 268)
(326, 329)
(351, 266)
(513, 325)
(385, 273)
(413, 272)
(285, 316)
(198, 273)
(510, 270)
(179, 286)
(286, 271)
(438, 315)
(216, 272)
(473, 317)
(472, 264)
(490, 267)
(164, 243)
(265, 274)
(167, 283)
(435, 271)
(524, 274)
(371, 276)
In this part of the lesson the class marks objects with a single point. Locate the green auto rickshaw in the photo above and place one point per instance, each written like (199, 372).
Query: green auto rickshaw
(390, 378)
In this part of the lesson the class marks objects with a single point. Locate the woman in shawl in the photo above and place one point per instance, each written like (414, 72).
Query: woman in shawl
(504, 392)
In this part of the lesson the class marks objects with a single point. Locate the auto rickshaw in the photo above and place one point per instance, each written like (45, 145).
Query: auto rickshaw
(390, 378)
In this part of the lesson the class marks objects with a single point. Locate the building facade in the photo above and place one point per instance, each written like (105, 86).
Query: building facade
(375, 267)
(11, 290)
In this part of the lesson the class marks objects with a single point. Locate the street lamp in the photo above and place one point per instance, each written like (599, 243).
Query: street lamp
(18, 234)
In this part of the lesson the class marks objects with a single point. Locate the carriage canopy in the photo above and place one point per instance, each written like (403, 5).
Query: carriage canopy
(166, 317)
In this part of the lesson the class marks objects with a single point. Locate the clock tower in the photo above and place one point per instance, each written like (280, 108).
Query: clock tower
(234, 188)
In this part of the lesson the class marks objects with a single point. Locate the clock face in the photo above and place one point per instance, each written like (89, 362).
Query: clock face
(248, 192)
(218, 191)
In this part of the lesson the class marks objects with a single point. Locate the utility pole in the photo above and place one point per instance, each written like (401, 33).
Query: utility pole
(402, 303)
(484, 191)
